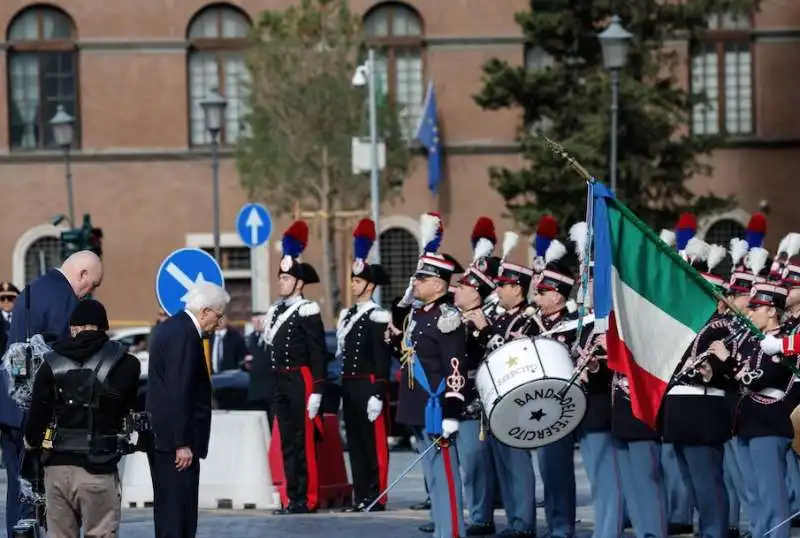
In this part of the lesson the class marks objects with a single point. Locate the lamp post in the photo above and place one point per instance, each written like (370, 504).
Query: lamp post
(63, 135)
(214, 111)
(366, 76)
(615, 41)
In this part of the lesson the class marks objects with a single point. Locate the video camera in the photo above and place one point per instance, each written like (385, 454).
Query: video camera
(130, 437)
(28, 528)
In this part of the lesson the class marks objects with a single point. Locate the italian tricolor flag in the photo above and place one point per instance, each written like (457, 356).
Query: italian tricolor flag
(649, 301)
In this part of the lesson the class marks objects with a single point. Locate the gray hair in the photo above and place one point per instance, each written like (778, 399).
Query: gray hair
(207, 295)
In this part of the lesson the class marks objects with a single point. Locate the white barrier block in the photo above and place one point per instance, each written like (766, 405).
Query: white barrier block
(134, 475)
(236, 472)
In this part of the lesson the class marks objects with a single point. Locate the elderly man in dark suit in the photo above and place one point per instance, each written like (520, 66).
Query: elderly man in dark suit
(179, 401)
(53, 297)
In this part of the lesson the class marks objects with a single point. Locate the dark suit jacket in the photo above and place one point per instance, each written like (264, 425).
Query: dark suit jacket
(52, 303)
(262, 377)
(234, 349)
(178, 387)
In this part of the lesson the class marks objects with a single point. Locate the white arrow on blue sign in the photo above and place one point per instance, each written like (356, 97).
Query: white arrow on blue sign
(254, 225)
(181, 270)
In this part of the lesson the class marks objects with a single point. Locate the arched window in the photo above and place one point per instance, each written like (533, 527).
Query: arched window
(44, 254)
(721, 233)
(217, 38)
(396, 31)
(42, 74)
(399, 255)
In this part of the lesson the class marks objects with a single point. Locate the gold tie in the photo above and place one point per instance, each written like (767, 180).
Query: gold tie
(207, 352)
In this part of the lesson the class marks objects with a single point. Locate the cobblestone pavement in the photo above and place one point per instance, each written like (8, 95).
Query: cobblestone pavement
(397, 522)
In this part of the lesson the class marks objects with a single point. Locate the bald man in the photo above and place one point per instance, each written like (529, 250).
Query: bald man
(53, 297)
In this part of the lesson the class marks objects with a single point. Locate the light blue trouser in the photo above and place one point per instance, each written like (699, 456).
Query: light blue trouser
(602, 468)
(643, 486)
(478, 474)
(517, 483)
(733, 484)
(680, 503)
(702, 470)
(557, 467)
(793, 480)
(763, 464)
(442, 475)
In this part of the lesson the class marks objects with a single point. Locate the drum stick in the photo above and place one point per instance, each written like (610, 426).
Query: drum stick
(397, 480)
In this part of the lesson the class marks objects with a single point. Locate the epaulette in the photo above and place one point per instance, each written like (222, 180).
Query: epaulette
(449, 319)
(380, 315)
(310, 308)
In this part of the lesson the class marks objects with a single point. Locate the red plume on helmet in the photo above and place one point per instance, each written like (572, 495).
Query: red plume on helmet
(546, 231)
(483, 229)
(363, 238)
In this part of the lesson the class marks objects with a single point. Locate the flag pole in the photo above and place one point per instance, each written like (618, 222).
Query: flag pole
(669, 251)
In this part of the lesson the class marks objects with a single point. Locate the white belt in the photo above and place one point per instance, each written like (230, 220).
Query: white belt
(775, 394)
(689, 390)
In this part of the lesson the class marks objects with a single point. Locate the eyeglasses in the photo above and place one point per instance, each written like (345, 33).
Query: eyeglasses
(8, 298)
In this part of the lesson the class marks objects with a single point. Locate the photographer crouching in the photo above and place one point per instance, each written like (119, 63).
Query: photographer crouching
(83, 397)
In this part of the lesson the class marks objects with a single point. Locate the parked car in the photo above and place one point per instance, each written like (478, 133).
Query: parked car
(230, 386)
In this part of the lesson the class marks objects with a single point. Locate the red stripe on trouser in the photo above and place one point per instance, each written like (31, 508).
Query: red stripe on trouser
(382, 447)
(451, 489)
(312, 489)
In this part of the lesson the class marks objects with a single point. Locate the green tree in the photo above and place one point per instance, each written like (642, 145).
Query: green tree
(569, 101)
(304, 112)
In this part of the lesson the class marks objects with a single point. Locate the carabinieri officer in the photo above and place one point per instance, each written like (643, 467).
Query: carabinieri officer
(366, 360)
(431, 397)
(295, 338)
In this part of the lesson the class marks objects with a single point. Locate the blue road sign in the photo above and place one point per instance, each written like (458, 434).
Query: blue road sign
(179, 272)
(254, 225)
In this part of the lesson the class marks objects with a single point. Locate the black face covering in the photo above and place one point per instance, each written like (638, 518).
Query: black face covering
(81, 346)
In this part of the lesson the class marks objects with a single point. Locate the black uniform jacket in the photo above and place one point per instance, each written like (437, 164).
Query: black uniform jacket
(365, 353)
(697, 411)
(764, 408)
(297, 339)
(437, 338)
(598, 382)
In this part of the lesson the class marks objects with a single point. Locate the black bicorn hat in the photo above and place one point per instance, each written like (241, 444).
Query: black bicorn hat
(293, 243)
(363, 239)
(442, 266)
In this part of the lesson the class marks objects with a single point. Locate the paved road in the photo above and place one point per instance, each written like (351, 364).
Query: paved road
(398, 522)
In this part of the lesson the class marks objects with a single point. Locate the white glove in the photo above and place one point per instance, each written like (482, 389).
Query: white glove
(771, 345)
(313, 405)
(374, 408)
(408, 296)
(449, 427)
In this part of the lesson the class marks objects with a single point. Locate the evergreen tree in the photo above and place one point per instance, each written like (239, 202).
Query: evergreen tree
(569, 101)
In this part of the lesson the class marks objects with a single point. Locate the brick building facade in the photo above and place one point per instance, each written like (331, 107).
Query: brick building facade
(132, 74)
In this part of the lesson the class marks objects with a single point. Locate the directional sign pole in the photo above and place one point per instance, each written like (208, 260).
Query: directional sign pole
(180, 272)
(254, 225)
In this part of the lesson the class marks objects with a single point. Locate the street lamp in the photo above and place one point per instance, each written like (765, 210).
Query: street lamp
(615, 41)
(365, 76)
(214, 111)
(63, 135)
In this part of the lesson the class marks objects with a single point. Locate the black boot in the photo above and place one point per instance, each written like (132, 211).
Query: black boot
(733, 532)
(428, 527)
(481, 529)
(674, 529)
(425, 505)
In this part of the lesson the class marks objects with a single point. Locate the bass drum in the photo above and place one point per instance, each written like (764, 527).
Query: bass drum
(519, 385)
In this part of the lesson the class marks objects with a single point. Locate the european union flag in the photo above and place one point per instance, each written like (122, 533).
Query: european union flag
(428, 136)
